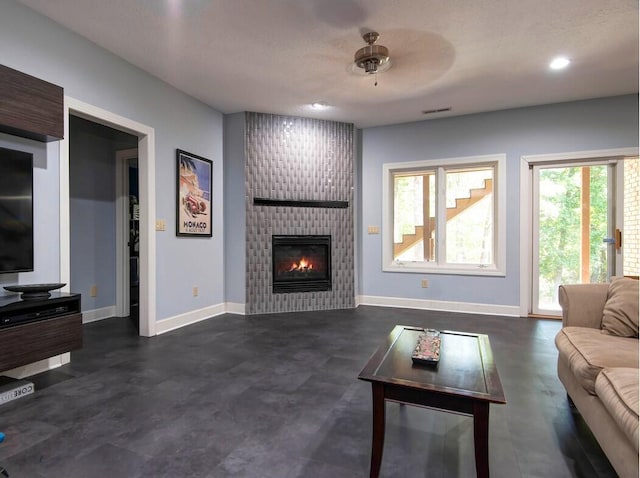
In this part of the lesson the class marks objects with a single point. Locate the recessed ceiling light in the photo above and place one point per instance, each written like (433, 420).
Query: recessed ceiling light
(319, 105)
(559, 63)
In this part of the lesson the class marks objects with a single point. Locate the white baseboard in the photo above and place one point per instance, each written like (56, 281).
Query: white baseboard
(194, 316)
(98, 314)
(235, 308)
(440, 305)
(38, 367)
(188, 318)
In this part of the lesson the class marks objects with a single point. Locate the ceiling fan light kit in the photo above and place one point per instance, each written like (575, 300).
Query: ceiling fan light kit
(372, 58)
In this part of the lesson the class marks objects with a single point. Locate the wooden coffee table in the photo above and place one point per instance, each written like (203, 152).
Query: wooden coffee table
(464, 381)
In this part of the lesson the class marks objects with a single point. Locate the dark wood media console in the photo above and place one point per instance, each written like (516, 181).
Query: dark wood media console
(32, 330)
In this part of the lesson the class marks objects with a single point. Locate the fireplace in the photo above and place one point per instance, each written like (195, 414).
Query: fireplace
(301, 263)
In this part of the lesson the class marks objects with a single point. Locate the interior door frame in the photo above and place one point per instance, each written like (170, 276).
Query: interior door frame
(526, 206)
(122, 230)
(146, 181)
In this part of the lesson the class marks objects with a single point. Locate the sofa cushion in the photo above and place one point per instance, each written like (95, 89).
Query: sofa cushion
(617, 388)
(587, 352)
(620, 314)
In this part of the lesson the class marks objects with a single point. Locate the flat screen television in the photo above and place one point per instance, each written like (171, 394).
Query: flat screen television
(16, 211)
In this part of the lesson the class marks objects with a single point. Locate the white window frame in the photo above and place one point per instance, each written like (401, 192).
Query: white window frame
(498, 161)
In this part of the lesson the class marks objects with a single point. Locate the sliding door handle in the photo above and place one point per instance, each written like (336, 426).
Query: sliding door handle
(616, 240)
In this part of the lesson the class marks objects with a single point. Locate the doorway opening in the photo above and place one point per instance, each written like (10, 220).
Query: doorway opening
(128, 204)
(93, 200)
(146, 172)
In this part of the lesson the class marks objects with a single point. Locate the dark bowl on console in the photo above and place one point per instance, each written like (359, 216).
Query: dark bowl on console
(34, 291)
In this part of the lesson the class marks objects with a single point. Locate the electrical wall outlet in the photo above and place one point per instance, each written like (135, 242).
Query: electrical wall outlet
(195, 291)
(425, 283)
(94, 291)
(161, 225)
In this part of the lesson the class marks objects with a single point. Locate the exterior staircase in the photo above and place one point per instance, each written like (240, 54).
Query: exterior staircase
(462, 204)
(408, 241)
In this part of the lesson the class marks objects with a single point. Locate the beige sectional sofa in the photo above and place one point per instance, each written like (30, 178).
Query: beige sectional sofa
(598, 364)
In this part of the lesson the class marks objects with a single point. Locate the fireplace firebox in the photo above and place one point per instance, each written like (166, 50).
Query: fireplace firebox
(301, 263)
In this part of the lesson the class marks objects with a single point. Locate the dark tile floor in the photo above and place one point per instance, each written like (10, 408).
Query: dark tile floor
(276, 396)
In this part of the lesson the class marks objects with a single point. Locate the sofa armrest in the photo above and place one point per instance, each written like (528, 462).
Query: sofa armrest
(582, 304)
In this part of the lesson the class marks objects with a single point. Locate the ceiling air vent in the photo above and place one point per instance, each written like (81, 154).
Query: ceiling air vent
(438, 110)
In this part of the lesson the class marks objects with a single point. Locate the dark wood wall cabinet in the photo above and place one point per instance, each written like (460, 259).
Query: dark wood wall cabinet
(30, 107)
(38, 329)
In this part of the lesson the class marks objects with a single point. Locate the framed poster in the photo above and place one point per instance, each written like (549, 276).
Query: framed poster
(193, 201)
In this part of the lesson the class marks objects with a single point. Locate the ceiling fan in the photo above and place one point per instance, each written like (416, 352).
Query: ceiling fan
(373, 58)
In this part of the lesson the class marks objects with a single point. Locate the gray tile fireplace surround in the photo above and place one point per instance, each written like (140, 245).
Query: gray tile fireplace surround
(291, 158)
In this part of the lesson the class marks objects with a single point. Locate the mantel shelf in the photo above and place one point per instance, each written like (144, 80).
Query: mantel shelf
(300, 203)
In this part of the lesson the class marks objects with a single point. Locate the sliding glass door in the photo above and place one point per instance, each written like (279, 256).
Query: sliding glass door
(573, 228)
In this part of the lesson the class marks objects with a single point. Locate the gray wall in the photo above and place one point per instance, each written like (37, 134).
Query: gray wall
(298, 158)
(37, 46)
(576, 126)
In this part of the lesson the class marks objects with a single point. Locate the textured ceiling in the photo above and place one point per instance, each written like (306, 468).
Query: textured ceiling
(278, 56)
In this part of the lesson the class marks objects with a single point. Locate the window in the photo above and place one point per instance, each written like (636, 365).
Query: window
(445, 216)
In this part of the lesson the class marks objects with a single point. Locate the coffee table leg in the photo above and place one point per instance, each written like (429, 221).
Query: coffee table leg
(377, 442)
(481, 438)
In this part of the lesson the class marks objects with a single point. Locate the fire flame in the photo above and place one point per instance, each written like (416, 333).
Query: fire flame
(303, 266)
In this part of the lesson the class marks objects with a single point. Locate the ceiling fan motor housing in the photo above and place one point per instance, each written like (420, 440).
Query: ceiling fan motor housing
(372, 56)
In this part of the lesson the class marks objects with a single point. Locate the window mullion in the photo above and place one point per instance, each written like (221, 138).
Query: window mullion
(441, 216)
